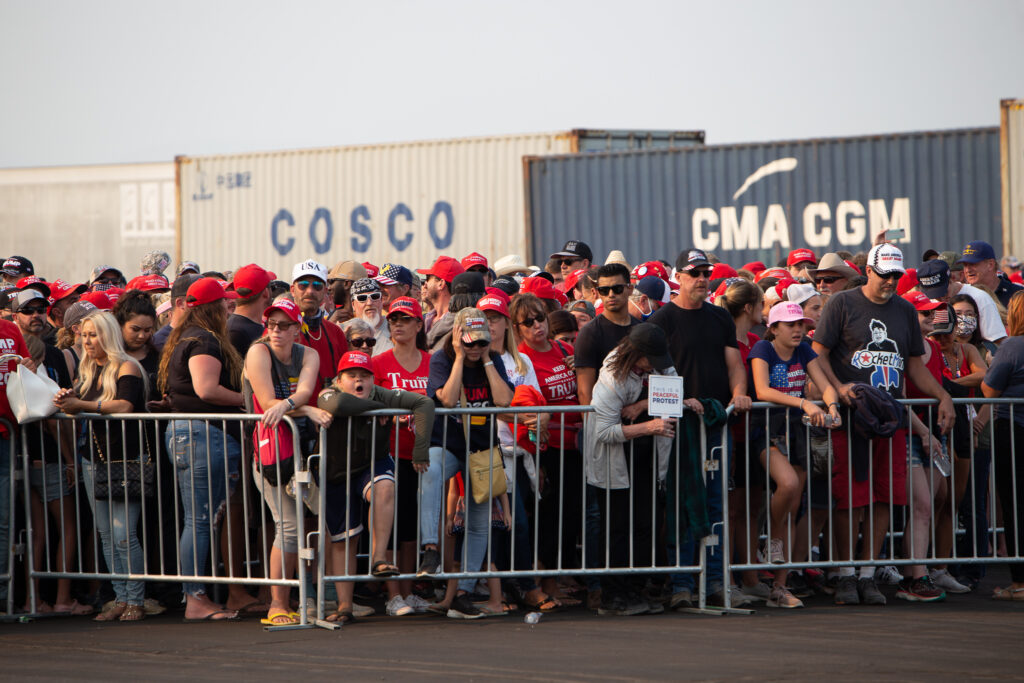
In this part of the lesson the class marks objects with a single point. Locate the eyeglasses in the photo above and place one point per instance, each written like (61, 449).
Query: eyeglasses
(698, 273)
(33, 310)
(569, 261)
(362, 298)
(888, 276)
(283, 325)
(530, 322)
(828, 279)
(605, 291)
(478, 344)
(357, 342)
(305, 284)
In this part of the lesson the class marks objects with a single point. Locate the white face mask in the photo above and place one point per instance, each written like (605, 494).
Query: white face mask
(966, 325)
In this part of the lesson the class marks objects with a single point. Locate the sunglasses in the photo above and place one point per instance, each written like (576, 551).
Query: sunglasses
(362, 298)
(926, 314)
(283, 325)
(888, 276)
(569, 261)
(106, 281)
(368, 342)
(698, 273)
(828, 280)
(33, 310)
(605, 291)
(400, 319)
(530, 322)
(478, 344)
(305, 284)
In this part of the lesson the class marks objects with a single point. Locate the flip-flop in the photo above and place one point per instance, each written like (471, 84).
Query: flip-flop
(254, 607)
(290, 619)
(76, 609)
(383, 569)
(1014, 594)
(212, 616)
(546, 605)
(341, 617)
(482, 606)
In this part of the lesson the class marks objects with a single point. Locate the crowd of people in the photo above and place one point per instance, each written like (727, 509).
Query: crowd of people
(826, 343)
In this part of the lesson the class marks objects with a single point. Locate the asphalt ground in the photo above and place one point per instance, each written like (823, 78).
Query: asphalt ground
(966, 637)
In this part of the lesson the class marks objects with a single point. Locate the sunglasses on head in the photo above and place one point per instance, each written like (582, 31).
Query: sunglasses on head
(362, 298)
(828, 279)
(357, 342)
(605, 291)
(530, 322)
(283, 325)
(316, 285)
(888, 276)
(569, 261)
(33, 310)
(478, 344)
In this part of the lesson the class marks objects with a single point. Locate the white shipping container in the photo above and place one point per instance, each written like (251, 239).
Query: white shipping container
(403, 202)
(1011, 142)
(69, 220)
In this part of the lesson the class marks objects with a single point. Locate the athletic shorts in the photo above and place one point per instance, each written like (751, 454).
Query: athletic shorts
(344, 502)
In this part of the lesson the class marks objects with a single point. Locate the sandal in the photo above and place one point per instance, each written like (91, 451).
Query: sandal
(75, 609)
(488, 612)
(1014, 594)
(112, 613)
(383, 569)
(548, 604)
(342, 617)
(281, 618)
(133, 613)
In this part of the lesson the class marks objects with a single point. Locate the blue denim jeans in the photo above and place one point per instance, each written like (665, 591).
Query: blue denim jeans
(5, 514)
(118, 525)
(478, 515)
(202, 457)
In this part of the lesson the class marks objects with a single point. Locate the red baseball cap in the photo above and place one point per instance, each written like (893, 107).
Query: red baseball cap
(285, 306)
(541, 288)
(60, 289)
(371, 270)
(114, 293)
(250, 280)
(355, 360)
(406, 305)
(921, 301)
(907, 281)
(150, 283)
(445, 267)
(779, 273)
(573, 279)
(722, 270)
(754, 267)
(98, 299)
(494, 302)
(472, 260)
(800, 255)
(654, 268)
(207, 290)
(36, 283)
(854, 266)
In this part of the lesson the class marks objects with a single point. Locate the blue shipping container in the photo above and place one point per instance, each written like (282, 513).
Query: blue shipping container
(759, 201)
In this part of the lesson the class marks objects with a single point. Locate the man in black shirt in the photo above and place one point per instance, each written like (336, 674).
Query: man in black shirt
(245, 325)
(602, 334)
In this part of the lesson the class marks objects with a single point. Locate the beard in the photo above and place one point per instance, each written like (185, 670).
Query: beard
(373, 317)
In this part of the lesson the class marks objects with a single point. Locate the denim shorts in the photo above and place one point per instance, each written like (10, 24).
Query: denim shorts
(57, 485)
(348, 498)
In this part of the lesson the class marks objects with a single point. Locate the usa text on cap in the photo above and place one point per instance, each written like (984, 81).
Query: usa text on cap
(309, 268)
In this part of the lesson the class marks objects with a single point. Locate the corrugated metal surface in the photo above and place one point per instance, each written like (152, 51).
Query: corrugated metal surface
(759, 201)
(403, 202)
(69, 220)
(1011, 118)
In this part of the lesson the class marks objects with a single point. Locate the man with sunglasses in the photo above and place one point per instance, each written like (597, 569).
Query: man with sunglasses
(309, 291)
(575, 255)
(106, 277)
(367, 304)
(832, 274)
(598, 337)
(871, 336)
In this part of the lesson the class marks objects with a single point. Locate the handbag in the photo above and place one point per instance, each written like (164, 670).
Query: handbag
(486, 468)
(113, 479)
(273, 448)
(31, 394)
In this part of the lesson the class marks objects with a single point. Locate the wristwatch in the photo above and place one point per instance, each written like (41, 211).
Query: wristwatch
(290, 402)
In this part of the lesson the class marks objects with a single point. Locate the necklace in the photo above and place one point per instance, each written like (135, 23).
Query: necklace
(309, 334)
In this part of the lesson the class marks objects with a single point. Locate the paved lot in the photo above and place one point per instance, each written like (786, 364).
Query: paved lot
(965, 638)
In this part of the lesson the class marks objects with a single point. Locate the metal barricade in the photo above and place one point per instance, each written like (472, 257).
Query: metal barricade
(902, 525)
(9, 474)
(113, 491)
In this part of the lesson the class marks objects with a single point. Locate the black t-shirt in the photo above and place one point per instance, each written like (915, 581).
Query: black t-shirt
(869, 342)
(597, 339)
(129, 388)
(195, 341)
(478, 394)
(243, 332)
(151, 366)
(1005, 290)
(696, 341)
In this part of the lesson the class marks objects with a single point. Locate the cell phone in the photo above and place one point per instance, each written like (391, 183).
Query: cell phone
(896, 234)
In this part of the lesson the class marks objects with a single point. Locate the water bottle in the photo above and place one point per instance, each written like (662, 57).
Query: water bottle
(532, 618)
(941, 461)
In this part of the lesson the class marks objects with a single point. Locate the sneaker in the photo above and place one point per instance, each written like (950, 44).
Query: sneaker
(940, 577)
(737, 598)
(781, 597)
(623, 607)
(362, 610)
(815, 580)
(920, 590)
(681, 599)
(397, 607)
(759, 591)
(846, 591)
(462, 608)
(797, 584)
(655, 607)
(775, 554)
(888, 576)
(430, 564)
(869, 593)
(418, 604)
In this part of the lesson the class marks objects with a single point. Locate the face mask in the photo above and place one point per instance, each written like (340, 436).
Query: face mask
(966, 325)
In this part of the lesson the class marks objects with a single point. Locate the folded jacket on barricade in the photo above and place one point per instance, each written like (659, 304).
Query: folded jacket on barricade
(693, 495)
(876, 414)
(526, 396)
(366, 440)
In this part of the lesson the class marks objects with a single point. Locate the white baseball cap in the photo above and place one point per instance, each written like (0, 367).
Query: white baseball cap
(309, 267)
(885, 258)
(800, 293)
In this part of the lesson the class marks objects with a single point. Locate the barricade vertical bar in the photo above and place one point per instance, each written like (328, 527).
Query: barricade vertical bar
(30, 568)
(8, 525)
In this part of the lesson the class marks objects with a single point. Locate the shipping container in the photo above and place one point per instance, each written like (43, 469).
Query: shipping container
(758, 201)
(1011, 143)
(401, 202)
(69, 220)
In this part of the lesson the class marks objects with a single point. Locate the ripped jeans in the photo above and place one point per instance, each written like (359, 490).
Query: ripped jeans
(206, 460)
(118, 526)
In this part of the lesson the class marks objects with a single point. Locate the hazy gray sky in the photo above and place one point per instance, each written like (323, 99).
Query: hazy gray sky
(104, 81)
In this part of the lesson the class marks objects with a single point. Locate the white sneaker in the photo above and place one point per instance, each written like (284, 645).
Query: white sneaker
(397, 607)
(888, 575)
(418, 604)
(944, 580)
(759, 591)
(775, 554)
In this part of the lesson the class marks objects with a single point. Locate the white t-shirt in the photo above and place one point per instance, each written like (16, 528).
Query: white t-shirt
(990, 324)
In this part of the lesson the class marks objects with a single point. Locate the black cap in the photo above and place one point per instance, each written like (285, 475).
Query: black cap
(651, 341)
(929, 255)
(182, 283)
(933, 278)
(17, 265)
(944, 320)
(690, 259)
(506, 284)
(469, 282)
(574, 248)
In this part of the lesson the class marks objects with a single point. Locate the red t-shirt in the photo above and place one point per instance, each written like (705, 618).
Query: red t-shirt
(558, 384)
(11, 341)
(745, 348)
(330, 344)
(389, 373)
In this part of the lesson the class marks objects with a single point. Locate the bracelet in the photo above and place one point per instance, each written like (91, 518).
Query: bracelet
(833, 404)
(802, 403)
(290, 402)
(490, 362)
(99, 407)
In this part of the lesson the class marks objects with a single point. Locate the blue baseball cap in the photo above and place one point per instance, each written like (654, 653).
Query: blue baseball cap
(393, 274)
(977, 251)
(933, 278)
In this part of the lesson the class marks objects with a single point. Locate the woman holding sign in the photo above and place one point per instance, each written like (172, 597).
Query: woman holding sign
(623, 479)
